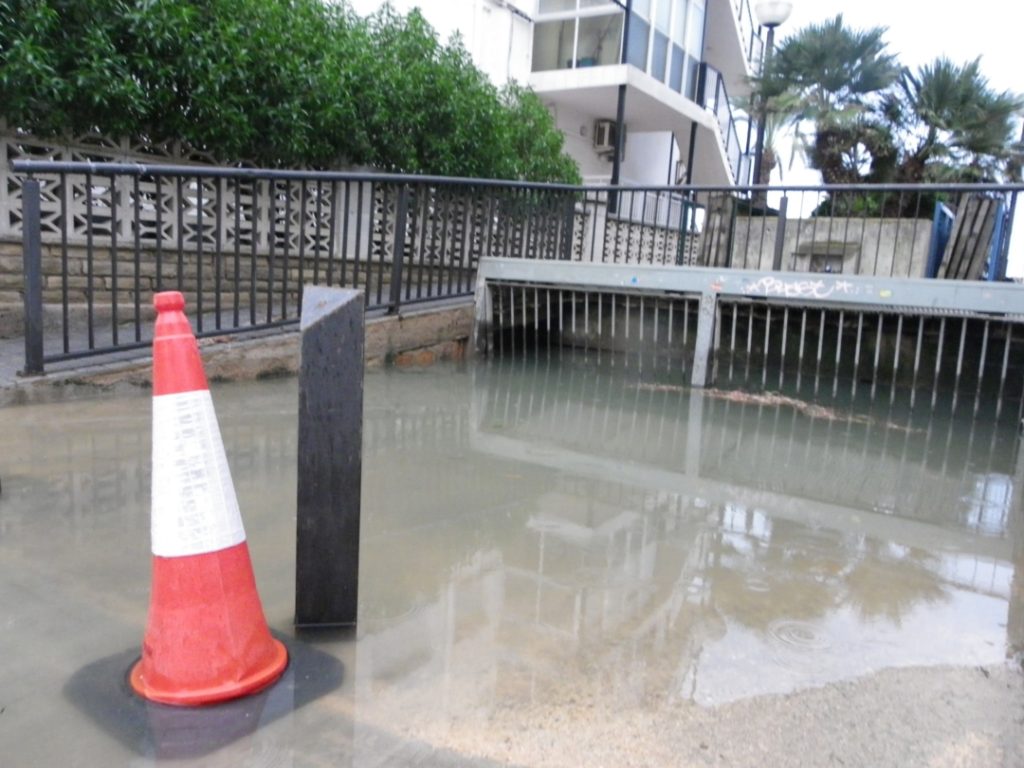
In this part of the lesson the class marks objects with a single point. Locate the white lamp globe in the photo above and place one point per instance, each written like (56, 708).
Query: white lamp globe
(772, 13)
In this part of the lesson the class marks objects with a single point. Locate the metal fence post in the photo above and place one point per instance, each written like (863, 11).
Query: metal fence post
(780, 234)
(398, 251)
(32, 256)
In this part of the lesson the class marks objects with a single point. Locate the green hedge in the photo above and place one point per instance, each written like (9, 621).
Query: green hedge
(274, 82)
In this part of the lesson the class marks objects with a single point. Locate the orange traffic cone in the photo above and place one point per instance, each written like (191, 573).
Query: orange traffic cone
(206, 636)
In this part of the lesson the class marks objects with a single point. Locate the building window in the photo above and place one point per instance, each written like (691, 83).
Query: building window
(666, 38)
(639, 36)
(599, 38)
(694, 45)
(576, 33)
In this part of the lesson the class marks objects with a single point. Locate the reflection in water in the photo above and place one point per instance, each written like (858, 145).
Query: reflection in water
(544, 533)
(757, 549)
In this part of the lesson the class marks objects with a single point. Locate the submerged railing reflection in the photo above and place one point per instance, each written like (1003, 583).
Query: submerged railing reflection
(662, 545)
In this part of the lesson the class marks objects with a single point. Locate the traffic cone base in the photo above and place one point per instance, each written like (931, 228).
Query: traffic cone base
(206, 637)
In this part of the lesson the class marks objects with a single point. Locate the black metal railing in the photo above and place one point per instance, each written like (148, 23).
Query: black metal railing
(716, 100)
(751, 30)
(100, 238)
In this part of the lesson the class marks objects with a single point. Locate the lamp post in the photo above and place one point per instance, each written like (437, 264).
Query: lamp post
(770, 14)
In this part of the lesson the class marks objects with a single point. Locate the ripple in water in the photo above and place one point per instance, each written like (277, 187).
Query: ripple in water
(798, 635)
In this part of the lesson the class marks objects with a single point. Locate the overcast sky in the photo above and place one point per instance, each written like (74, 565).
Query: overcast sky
(920, 30)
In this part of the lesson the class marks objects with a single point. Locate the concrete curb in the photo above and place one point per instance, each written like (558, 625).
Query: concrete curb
(416, 338)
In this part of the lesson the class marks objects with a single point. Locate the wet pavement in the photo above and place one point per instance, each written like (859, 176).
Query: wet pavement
(562, 564)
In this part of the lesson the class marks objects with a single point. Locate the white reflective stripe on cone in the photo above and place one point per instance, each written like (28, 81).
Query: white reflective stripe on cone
(194, 508)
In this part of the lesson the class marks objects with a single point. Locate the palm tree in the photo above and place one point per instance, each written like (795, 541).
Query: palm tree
(834, 77)
(957, 127)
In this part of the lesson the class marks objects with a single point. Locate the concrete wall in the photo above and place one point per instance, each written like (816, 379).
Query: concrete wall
(896, 247)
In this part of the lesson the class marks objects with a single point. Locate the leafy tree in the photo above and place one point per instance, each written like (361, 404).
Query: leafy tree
(274, 82)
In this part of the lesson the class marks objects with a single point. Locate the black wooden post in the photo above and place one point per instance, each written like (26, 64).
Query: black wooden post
(329, 458)
(32, 259)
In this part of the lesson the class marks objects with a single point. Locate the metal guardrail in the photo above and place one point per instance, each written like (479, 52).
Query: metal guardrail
(716, 99)
(241, 243)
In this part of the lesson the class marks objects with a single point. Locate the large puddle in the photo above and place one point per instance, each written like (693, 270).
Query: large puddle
(562, 564)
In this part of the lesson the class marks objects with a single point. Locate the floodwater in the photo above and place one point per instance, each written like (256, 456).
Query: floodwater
(563, 563)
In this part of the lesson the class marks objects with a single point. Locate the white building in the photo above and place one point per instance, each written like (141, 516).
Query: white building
(665, 69)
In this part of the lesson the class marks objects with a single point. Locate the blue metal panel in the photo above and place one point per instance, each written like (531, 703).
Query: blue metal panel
(995, 268)
(942, 227)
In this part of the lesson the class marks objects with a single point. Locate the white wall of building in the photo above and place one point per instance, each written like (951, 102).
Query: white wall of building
(499, 36)
(647, 159)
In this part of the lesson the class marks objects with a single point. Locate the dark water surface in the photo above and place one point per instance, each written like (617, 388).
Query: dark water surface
(559, 559)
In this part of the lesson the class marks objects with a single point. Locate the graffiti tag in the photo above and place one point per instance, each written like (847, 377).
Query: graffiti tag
(800, 289)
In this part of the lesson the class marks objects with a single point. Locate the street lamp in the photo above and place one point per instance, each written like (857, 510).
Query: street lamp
(770, 14)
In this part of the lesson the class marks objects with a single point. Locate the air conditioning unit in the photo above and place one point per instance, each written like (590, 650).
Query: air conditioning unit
(605, 137)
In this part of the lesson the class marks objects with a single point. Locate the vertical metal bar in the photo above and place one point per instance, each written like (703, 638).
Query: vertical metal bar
(32, 261)
(114, 226)
(896, 239)
(218, 246)
(839, 350)
(253, 245)
(158, 282)
(938, 360)
(896, 358)
(272, 242)
(332, 225)
(65, 224)
(959, 361)
(464, 244)
(136, 259)
(237, 260)
(782, 351)
(767, 341)
(586, 318)
(398, 250)
(878, 240)
(356, 258)
(732, 332)
(780, 234)
(287, 248)
(423, 210)
(199, 254)
(917, 359)
(318, 230)
(821, 338)
(899, 340)
(981, 367)
(180, 210)
(878, 353)
(1002, 373)
(346, 211)
(301, 237)
(90, 295)
(856, 350)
